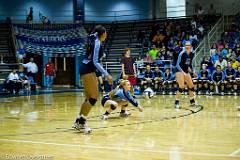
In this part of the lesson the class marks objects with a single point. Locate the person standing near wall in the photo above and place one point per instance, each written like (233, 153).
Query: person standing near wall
(49, 73)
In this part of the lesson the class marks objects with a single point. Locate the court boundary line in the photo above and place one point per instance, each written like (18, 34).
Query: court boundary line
(235, 152)
(123, 149)
(59, 130)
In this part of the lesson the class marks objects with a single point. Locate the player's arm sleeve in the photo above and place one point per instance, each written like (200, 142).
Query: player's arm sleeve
(130, 99)
(96, 61)
(179, 61)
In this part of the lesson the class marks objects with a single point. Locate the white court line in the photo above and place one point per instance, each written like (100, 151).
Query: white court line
(121, 148)
(235, 153)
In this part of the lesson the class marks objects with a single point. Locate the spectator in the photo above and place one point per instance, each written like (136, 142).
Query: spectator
(203, 80)
(153, 52)
(140, 36)
(221, 62)
(235, 64)
(148, 77)
(211, 14)
(158, 78)
(213, 49)
(231, 54)
(215, 57)
(32, 69)
(49, 72)
(13, 82)
(21, 53)
(218, 80)
(158, 39)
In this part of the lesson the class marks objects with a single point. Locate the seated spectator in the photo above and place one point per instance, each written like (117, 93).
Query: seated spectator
(213, 49)
(13, 82)
(153, 52)
(235, 64)
(231, 54)
(203, 80)
(224, 52)
(26, 83)
(222, 62)
(230, 77)
(148, 77)
(158, 39)
(158, 79)
(217, 81)
(168, 81)
(237, 77)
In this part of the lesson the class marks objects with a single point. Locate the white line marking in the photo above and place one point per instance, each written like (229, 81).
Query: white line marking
(121, 148)
(236, 152)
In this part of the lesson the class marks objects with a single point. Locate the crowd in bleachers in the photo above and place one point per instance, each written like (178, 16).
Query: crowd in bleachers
(219, 73)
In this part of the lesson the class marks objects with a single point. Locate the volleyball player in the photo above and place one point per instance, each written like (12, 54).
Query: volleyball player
(185, 68)
(119, 97)
(88, 76)
(230, 80)
(203, 80)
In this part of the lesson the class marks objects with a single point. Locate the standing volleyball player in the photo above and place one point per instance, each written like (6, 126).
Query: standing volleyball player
(185, 69)
(88, 76)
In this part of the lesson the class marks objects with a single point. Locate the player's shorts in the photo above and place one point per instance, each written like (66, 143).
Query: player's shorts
(132, 80)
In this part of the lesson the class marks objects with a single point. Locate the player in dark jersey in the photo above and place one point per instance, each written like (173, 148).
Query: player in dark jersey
(230, 78)
(148, 77)
(88, 66)
(218, 80)
(185, 69)
(168, 81)
(203, 80)
(158, 78)
(237, 84)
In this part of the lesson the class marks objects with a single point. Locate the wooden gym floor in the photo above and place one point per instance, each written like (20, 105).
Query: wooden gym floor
(39, 127)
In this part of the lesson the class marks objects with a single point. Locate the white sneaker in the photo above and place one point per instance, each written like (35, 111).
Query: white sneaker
(222, 93)
(104, 117)
(82, 127)
(125, 114)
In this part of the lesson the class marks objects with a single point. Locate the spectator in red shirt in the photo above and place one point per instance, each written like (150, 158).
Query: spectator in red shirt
(128, 68)
(49, 73)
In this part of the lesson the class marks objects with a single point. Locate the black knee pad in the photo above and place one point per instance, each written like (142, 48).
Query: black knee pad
(92, 101)
(180, 90)
(192, 89)
(113, 107)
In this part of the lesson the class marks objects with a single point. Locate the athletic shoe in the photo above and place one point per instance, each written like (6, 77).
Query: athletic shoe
(222, 93)
(125, 114)
(81, 126)
(192, 102)
(177, 105)
(104, 117)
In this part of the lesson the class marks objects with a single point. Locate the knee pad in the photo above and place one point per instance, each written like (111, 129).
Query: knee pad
(125, 105)
(92, 101)
(113, 107)
(192, 89)
(180, 90)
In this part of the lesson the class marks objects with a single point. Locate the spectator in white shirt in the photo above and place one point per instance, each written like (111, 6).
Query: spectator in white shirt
(221, 62)
(13, 82)
(32, 69)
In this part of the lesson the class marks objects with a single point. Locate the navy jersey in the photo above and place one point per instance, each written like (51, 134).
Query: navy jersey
(230, 73)
(91, 61)
(168, 77)
(237, 74)
(185, 61)
(148, 74)
(157, 74)
(218, 76)
(204, 74)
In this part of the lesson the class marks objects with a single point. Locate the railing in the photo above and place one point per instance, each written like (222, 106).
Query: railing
(215, 32)
(200, 51)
